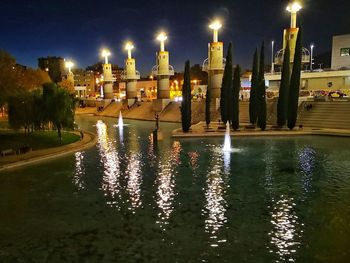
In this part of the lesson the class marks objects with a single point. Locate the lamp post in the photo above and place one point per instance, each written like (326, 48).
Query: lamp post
(272, 63)
(106, 53)
(293, 8)
(107, 76)
(311, 56)
(161, 38)
(215, 26)
(129, 46)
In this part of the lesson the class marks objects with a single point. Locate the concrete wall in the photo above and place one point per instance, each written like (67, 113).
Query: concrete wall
(338, 61)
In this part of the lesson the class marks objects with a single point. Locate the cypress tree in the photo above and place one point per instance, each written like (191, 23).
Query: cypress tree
(282, 105)
(261, 92)
(226, 87)
(253, 112)
(295, 83)
(186, 99)
(236, 87)
(207, 105)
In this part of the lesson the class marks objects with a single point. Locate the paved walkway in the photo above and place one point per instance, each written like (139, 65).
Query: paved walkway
(217, 130)
(14, 161)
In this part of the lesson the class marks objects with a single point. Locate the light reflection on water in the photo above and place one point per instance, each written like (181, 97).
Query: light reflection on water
(285, 235)
(306, 160)
(111, 164)
(215, 206)
(134, 180)
(79, 170)
(165, 182)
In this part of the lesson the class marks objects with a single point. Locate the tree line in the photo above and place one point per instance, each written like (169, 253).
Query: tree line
(34, 102)
(287, 106)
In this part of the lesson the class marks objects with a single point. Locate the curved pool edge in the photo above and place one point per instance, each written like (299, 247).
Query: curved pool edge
(199, 132)
(90, 139)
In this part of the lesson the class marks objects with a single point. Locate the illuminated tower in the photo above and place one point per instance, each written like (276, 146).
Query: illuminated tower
(131, 75)
(107, 76)
(214, 65)
(290, 36)
(163, 70)
(70, 76)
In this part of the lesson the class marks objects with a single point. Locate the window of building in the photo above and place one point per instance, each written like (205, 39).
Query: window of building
(345, 51)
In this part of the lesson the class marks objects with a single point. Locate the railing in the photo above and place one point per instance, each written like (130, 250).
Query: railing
(206, 67)
(125, 76)
(157, 72)
(304, 59)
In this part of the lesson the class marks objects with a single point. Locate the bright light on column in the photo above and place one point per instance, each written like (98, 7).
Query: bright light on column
(69, 64)
(162, 37)
(293, 8)
(106, 53)
(215, 26)
(129, 46)
(311, 56)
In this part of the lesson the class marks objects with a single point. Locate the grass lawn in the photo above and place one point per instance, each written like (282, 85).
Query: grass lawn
(36, 140)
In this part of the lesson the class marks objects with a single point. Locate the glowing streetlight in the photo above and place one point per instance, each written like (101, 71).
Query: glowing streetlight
(69, 64)
(311, 56)
(106, 53)
(129, 46)
(161, 38)
(293, 8)
(215, 26)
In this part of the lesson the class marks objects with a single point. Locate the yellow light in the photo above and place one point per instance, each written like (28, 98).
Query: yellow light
(105, 53)
(294, 7)
(69, 64)
(162, 37)
(129, 46)
(216, 25)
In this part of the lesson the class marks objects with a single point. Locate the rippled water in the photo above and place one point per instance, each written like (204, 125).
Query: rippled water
(126, 200)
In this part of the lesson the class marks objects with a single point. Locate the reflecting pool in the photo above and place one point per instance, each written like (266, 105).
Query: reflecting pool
(184, 200)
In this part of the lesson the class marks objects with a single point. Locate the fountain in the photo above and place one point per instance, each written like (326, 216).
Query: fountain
(120, 121)
(227, 143)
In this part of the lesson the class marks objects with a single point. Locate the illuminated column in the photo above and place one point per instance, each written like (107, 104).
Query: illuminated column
(215, 65)
(107, 76)
(70, 76)
(131, 75)
(290, 35)
(163, 70)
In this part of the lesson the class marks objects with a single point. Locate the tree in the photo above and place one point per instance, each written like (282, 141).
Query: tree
(226, 87)
(236, 87)
(295, 83)
(253, 111)
(186, 99)
(261, 92)
(282, 105)
(67, 85)
(59, 107)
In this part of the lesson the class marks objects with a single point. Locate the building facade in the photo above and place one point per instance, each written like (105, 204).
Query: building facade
(54, 66)
(341, 52)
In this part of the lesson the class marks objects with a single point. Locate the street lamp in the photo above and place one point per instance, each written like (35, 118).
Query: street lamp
(106, 53)
(272, 63)
(69, 64)
(215, 26)
(311, 56)
(129, 46)
(161, 38)
(293, 8)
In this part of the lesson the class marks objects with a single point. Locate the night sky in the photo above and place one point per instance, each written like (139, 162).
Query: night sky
(79, 29)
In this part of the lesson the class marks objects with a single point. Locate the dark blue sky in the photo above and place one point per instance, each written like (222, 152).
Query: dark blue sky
(78, 29)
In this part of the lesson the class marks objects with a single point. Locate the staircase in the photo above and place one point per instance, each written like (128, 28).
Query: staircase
(328, 114)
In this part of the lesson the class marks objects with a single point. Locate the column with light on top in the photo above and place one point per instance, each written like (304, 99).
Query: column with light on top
(107, 76)
(163, 70)
(131, 75)
(214, 65)
(70, 76)
(290, 34)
